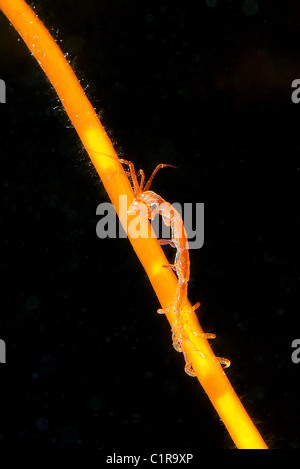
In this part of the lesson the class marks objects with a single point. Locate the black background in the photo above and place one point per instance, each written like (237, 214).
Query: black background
(203, 85)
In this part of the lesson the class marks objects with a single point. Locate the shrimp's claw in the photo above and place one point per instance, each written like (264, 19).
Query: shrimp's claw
(223, 361)
(188, 367)
(176, 342)
(189, 370)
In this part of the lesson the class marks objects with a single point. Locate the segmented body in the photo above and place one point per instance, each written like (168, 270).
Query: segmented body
(150, 203)
(171, 217)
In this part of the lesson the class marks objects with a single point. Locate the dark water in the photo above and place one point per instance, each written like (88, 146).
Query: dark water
(203, 85)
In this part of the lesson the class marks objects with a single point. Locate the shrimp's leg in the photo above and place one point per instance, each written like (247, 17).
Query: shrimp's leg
(189, 370)
(166, 241)
(223, 361)
(206, 335)
(164, 311)
(170, 266)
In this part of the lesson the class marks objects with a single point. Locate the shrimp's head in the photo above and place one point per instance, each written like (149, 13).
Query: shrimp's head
(139, 207)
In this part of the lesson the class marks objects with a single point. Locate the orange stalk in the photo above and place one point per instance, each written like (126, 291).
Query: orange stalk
(100, 149)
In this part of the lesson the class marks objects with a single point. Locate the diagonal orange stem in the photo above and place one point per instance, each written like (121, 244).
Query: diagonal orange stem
(105, 160)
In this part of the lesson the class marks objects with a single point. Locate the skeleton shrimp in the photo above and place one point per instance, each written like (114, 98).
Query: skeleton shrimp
(144, 202)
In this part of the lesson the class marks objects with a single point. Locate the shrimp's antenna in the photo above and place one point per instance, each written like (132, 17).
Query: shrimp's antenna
(158, 167)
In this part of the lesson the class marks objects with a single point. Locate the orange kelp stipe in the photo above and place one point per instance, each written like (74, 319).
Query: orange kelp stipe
(203, 361)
